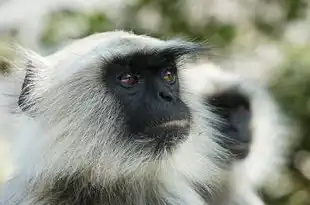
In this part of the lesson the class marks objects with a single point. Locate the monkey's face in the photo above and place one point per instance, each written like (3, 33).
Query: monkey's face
(146, 86)
(114, 99)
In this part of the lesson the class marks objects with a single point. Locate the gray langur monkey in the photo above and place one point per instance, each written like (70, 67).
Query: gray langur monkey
(118, 118)
(254, 128)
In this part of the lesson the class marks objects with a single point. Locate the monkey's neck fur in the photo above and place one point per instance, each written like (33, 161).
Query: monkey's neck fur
(76, 190)
(79, 190)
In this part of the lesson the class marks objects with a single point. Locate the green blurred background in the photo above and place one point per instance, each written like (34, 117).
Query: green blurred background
(267, 40)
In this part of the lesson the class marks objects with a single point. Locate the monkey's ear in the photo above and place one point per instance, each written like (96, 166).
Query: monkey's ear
(32, 63)
(24, 101)
(234, 110)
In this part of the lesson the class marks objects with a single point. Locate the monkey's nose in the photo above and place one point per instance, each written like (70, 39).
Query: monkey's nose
(165, 96)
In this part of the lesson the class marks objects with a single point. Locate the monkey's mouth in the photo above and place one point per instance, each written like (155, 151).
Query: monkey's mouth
(174, 123)
(172, 127)
(173, 130)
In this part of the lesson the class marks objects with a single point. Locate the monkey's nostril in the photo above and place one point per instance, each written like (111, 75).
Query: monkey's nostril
(166, 96)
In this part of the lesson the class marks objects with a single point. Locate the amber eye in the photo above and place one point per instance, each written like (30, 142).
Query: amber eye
(169, 76)
(128, 80)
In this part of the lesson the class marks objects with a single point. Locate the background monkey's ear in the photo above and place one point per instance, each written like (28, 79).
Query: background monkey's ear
(234, 110)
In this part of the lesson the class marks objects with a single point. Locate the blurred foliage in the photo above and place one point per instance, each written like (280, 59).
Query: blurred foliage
(174, 22)
(93, 22)
(292, 90)
(6, 54)
(178, 24)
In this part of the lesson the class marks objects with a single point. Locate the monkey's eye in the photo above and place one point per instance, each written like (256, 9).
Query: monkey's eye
(128, 80)
(169, 76)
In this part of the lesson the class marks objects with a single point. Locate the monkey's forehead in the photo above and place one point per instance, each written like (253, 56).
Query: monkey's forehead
(95, 52)
(106, 43)
(101, 48)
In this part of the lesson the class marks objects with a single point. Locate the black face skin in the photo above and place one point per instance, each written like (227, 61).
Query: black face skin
(147, 86)
(234, 109)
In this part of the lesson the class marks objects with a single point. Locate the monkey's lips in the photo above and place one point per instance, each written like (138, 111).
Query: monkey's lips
(169, 129)
(174, 123)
